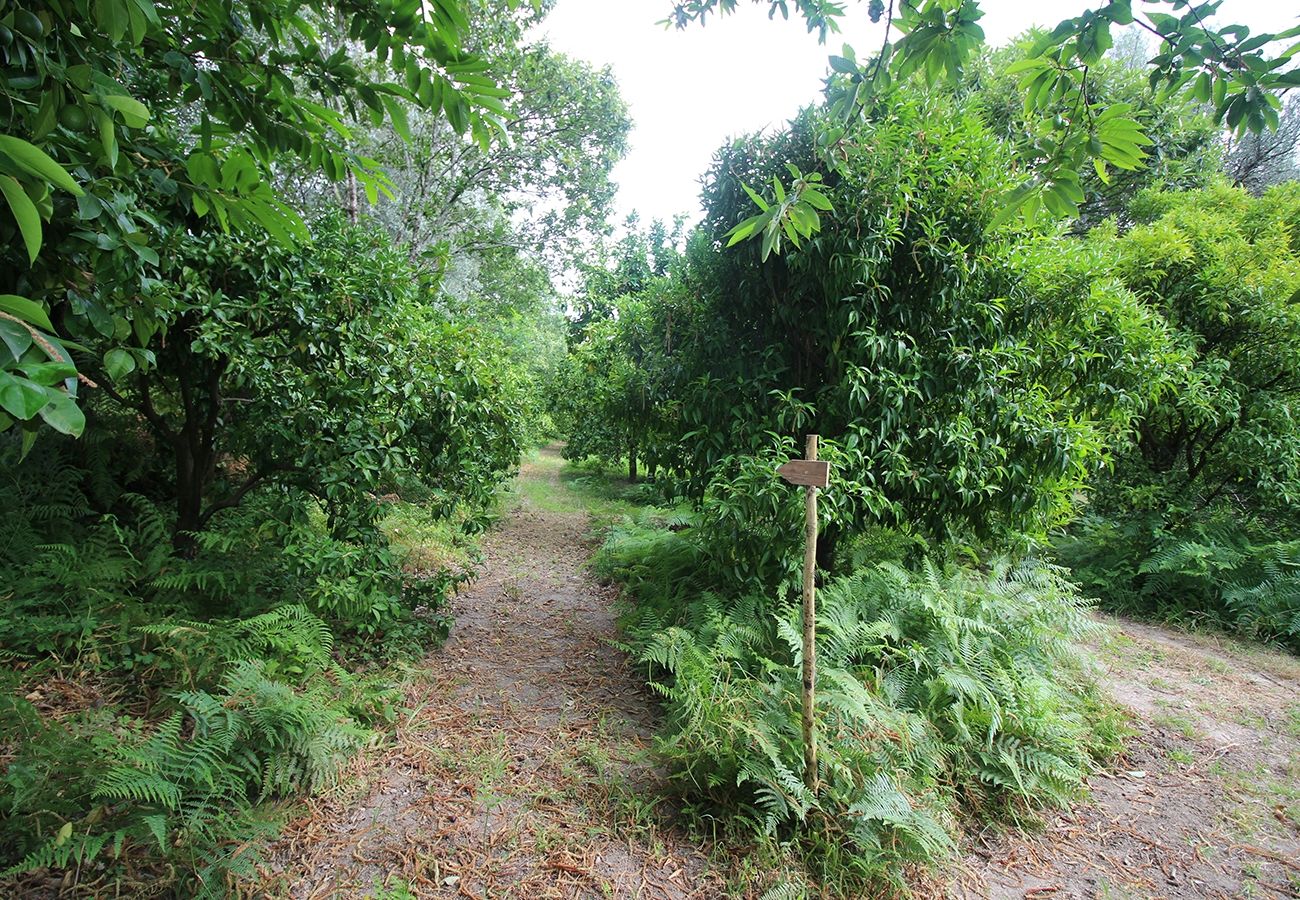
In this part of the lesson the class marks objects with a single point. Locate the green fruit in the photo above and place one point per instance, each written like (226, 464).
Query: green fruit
(28, 25)
(6, 36)
(73, 118)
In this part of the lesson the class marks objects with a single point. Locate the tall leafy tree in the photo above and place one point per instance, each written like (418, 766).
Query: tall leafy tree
(321, 368)
(1240, 74)
(126, 119)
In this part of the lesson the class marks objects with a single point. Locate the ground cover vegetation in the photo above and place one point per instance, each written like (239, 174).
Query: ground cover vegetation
(277, 319)
(256, 405)
(1021, 410)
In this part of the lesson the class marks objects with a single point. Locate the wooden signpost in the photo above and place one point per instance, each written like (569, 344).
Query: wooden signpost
(811, 473)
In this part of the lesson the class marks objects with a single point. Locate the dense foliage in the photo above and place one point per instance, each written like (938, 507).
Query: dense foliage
(936, 351)
(277, 293)
(989, 390)
(296, 399)
(942, 689)
(1198, 518)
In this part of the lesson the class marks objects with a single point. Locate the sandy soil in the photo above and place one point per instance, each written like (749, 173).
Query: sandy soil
(1206, 803)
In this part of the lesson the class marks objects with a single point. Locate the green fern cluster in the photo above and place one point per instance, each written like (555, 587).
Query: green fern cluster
(192, 782)
(220, 679)
(1222, 570)
(943, 692)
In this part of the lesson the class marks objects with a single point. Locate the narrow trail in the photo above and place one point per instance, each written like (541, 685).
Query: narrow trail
(520, 768)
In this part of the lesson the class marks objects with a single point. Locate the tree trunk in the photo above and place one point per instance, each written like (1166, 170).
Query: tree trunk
(189, 500)
(631, 463)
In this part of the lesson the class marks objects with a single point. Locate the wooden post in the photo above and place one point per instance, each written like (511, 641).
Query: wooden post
(810, 625)
(812, 474)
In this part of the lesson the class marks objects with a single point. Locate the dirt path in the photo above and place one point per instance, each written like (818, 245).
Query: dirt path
(522, 767)
(1205, 804)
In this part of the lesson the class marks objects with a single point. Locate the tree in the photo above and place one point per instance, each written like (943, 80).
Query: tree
(1222, 269)
(1228, 67)
(1256, 162)
(95, 178)
(1183, 149)
(610, 395)
(968, 376)
(548, 177)
(319, 368)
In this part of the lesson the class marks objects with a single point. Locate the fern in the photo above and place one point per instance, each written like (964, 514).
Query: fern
(938, 684)
(1226, 571)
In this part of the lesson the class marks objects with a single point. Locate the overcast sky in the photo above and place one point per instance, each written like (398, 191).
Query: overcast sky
(689, 91)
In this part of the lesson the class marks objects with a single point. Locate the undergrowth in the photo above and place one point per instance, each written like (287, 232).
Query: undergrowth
(156, 707)
(946, 693)
(1218, 572)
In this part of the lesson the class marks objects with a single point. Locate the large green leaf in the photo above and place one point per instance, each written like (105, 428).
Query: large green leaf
(26, 310)
(37, 162)
(24, 212)
(19, 397)
(63, 415)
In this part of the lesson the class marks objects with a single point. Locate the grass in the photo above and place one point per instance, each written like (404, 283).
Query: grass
(575, 488)
(1291, 722)
(426, 542)
(1177, 721)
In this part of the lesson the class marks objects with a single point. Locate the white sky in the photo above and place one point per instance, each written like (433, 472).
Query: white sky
(688, 91)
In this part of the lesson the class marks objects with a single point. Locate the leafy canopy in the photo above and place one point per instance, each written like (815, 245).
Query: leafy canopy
(125, 118)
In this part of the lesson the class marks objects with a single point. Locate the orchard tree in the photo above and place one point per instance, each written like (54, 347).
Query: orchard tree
(1238, 74)
(1223, 270)
(1184, 148)
(967, 375)
(320, 367)
(126, 119)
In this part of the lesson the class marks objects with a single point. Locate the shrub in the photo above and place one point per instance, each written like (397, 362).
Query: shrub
(945, 691)
(186, 786)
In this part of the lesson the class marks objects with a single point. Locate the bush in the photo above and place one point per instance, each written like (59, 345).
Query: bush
(204, 683)
(1222, 572)
(945, 692)
(186, 787)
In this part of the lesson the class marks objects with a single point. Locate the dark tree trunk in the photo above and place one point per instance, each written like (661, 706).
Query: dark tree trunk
(189, 496)
(631, 464)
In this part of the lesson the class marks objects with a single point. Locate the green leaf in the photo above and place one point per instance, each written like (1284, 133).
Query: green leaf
(64, 416)
(50, 373)
(107, 136)
(26, 310)
(29, 220)
(747, 228)
(1012, 203)
(14, 336)
(19, 397)
(753, 195)
(118, 364)
(816, 198)
(770, 236)
(134, 113)
(36, 161)
(397, 115)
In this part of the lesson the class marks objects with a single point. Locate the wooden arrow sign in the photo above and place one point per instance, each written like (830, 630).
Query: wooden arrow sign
(806, 472)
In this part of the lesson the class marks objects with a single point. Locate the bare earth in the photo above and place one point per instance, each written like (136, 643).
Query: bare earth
(1206, 802)
(521, 768)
